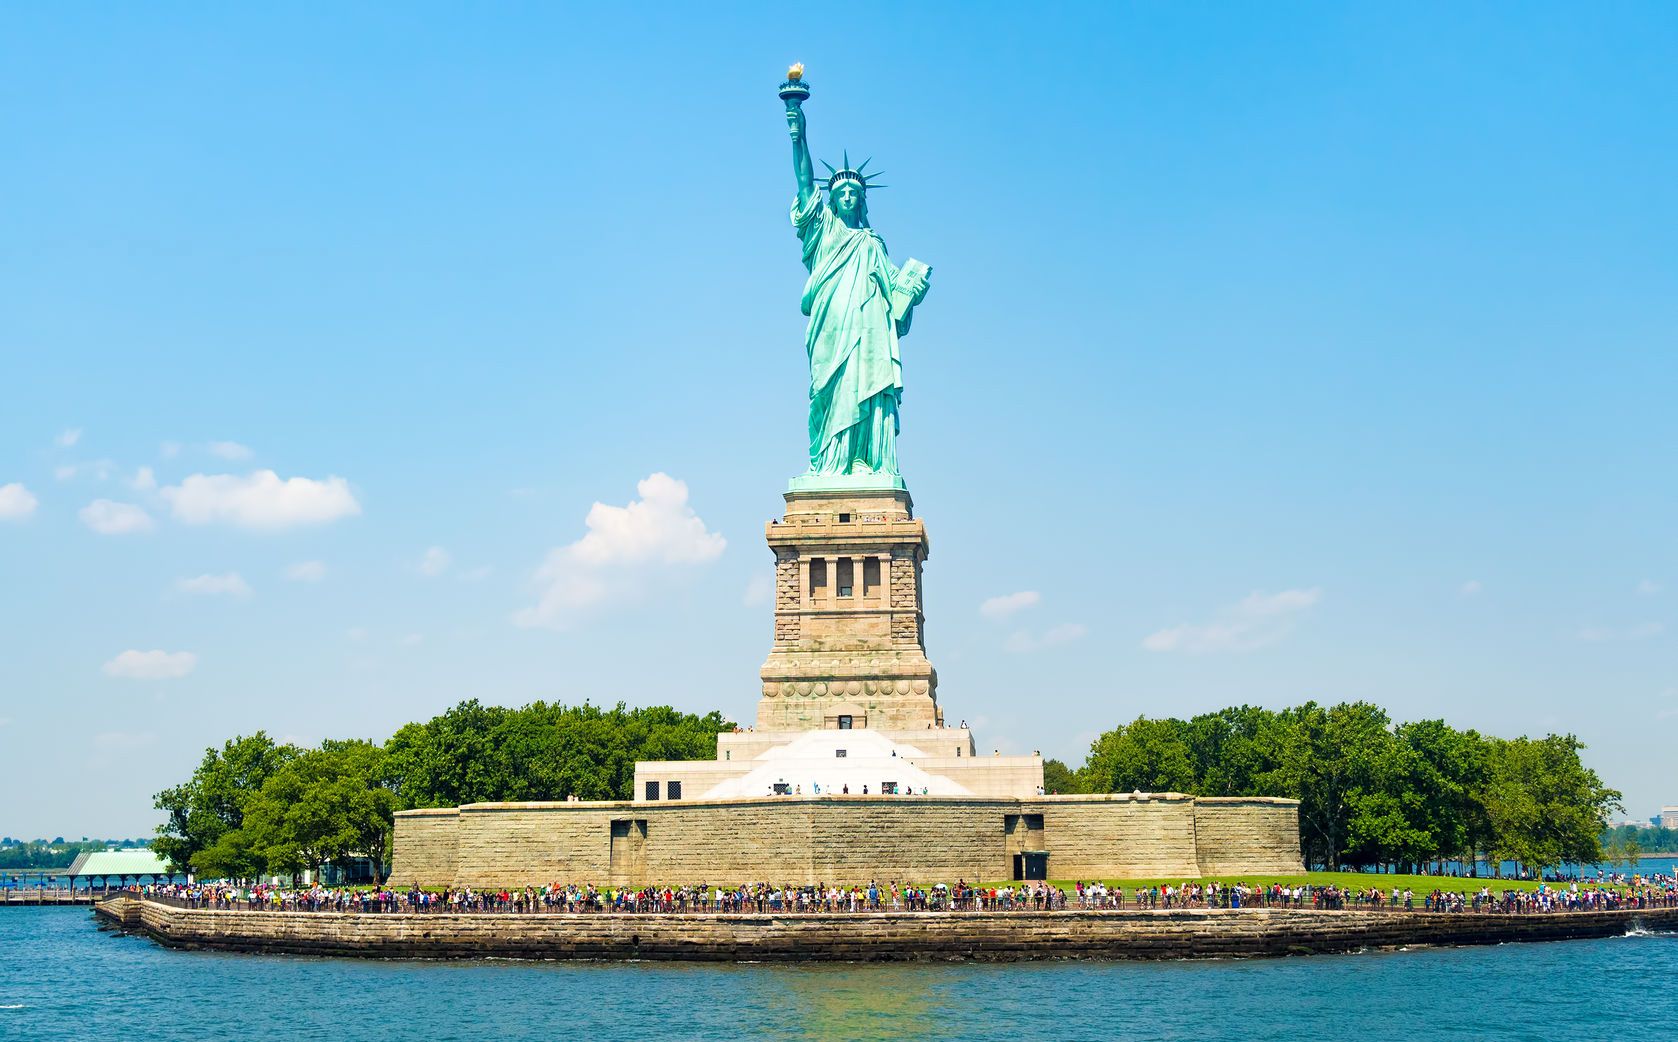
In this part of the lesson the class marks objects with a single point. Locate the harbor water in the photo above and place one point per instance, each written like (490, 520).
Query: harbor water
(63, 978)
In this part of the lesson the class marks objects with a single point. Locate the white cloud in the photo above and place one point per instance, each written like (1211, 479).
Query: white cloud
(435, 561)
(759, 590)
(152, 665)
(143, 481)
(262, 499)
(1470, 588)
(1259, 620)
(16, 502)
(306, 572)
(1638, 631)
(1648, 587)
(229, 450)
(4, 720)
(1007, 604)
(412, 640)
(169, 449)
(659, 528)
(231, 584)
(1065, 633)
(68, 438)
(478, 574)
(111, 518)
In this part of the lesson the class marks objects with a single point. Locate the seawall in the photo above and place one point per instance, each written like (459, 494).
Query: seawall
(861, 937)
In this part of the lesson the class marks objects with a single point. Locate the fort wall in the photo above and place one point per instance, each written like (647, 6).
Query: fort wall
(845, 840)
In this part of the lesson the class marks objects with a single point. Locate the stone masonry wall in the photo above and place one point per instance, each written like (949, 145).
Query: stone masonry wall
(1118, 837)
(841, 839)
(885, 936)
(1235, 836)
(424, 845)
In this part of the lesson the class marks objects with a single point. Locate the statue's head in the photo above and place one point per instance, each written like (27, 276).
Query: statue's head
(850, 202)
(847, 191)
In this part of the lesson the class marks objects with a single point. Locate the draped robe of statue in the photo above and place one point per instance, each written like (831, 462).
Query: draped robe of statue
(856, 375)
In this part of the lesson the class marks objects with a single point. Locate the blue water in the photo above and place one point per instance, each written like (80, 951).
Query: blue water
(61, 978)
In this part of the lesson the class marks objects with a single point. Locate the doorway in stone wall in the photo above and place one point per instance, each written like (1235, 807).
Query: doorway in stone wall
(629, 851)
(1023, 839)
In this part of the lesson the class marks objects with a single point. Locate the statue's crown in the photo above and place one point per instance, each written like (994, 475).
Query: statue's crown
(855, 175)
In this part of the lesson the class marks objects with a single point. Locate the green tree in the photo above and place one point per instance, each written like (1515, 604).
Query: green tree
(324, 806)
(1544, 805)
(1059, 778)
(1144, 755)
(210, 804)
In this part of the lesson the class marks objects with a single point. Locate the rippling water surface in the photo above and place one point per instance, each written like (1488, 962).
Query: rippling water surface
(61, 978)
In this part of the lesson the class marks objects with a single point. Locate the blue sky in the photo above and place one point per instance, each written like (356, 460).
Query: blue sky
(1303, 352)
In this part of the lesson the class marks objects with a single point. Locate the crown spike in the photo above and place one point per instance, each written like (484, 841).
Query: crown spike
(829, 166)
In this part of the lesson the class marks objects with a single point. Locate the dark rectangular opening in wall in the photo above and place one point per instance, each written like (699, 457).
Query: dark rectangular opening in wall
(888, 788)
(845, 576)
(673, 790)
(844, 725)
(840, 753)
(818, 574)
(870, 576)
(628, 858)
(844, 519)
(652, 790)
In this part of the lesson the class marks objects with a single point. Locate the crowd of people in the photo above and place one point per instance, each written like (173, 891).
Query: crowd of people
(763, 898)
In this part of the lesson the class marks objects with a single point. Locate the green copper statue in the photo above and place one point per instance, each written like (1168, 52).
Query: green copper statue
(859, 306)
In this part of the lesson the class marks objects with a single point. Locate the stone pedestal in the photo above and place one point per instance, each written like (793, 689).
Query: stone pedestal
(848, 647)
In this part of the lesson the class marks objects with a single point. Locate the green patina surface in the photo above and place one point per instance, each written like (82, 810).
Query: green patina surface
(859, 305)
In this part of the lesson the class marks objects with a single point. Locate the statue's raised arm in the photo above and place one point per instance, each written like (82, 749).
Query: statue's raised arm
(802, 168)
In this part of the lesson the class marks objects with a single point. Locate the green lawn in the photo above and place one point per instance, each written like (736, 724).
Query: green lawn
(1421, 885)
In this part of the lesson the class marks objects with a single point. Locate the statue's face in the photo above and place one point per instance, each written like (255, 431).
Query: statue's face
(847, 199)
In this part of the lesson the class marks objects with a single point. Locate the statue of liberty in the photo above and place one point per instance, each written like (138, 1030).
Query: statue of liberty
(859, 306)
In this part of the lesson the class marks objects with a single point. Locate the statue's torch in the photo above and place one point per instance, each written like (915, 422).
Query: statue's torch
(795, 90)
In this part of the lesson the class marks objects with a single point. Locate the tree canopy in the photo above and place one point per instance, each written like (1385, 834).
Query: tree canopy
(1372, 792)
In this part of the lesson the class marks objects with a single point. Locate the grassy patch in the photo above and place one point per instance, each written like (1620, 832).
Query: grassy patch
(1420, 885)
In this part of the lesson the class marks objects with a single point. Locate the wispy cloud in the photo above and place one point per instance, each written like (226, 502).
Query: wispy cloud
(1470, 588)
(1257, 621)
(108, 517)
(306, 572)
(1648, 588)
(435, 561)
(659, 529)
(67, 439)
(229, 450)
(1024, 641)
(1007, 604)
(151, 665)
(230, 584)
